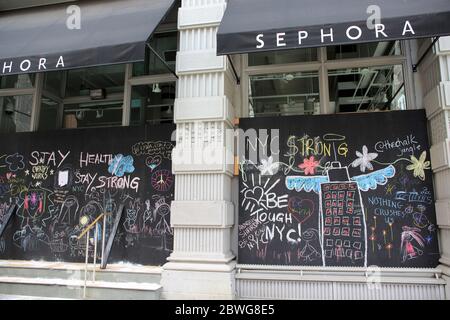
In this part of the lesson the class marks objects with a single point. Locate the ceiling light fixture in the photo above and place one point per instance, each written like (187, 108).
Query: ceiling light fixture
(289, 77)
(156, 88)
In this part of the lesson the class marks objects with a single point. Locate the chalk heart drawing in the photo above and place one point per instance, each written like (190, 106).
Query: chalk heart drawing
(301, 209)
(153, 162)
(256, 194)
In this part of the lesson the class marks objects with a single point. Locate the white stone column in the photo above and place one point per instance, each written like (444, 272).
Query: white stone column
(202, 264)
(435, 80)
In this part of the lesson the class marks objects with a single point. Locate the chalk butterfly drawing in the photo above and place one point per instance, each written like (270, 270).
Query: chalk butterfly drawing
(365, 182)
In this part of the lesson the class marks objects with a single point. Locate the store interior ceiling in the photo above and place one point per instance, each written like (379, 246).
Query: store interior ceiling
(350, 90)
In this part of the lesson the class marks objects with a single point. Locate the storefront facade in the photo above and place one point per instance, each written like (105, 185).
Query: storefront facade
(340, 70)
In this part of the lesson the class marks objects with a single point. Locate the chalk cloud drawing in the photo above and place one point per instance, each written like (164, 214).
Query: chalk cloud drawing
(121, 165)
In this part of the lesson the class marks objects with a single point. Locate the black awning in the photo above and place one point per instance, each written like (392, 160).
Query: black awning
(48, 38)
(264, 25)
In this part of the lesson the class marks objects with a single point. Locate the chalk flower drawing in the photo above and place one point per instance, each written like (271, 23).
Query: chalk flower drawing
(309, 165)
(419, 166)
(364, 159)
(15, 162)
(267, 167)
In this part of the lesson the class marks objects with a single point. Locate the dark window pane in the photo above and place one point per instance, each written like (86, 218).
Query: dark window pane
(52, 82)
(282, 57)
(20, 81)
(152, 103)
(48, 117)
(110, 78)
(365, 50)
(15, 114)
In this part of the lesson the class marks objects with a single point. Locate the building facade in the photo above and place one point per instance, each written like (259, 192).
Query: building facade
(205, 98)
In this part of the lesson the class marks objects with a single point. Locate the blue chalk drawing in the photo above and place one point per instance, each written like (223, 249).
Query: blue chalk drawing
(373, 180)
(365, 182)
(307, 184)
(121, 165)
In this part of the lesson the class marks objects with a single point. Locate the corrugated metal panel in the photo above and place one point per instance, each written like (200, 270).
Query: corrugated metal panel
(283, 290)
(254, 288)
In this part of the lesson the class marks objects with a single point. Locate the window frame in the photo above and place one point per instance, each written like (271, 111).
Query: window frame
(36, 92)
(323, 66)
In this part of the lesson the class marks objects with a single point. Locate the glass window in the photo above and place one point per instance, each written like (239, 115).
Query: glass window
(81, 81)
(18, 81)
(295, 93)
(48, 117)
(93, 114)
(282, 57)
(152, 103)
(15, 113)
(365, 50)
(367, 89)
(166, 45)
(52, 82)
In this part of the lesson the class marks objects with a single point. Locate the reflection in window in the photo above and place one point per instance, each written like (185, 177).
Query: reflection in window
(166, 45)
(152, 103)
(284, 94)
(18, 81)
(367, 89)
(15, 114)
(282, 57)
(93, 114)
(365, 50)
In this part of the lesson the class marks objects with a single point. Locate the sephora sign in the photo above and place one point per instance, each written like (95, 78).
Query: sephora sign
(310, 37)
(34, 64)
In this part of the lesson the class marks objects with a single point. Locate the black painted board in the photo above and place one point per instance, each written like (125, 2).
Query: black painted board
(62, 180)
(351, 190)
(5, 218)
(112, 235)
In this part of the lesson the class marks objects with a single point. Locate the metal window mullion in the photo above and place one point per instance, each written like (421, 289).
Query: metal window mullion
(408, 77)
(87, 99)
(364, 62)
(62, 94)
(283, 68)
(126, 112)
(37, 98)
(16, 92)
(323, 82)
(144, 80)
(245, 105)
